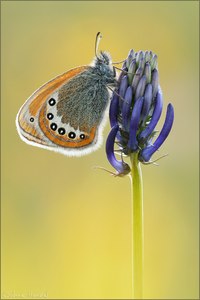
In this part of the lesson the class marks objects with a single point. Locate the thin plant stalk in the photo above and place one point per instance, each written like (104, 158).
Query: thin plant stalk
(137, 227)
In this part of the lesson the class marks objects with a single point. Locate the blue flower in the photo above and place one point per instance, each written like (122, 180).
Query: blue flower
(135, 109)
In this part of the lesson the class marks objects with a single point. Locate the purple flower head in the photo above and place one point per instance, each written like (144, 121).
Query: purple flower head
(135, 109)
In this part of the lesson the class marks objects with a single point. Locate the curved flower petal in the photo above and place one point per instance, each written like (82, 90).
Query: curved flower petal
(142, 63)
(147, 102)
(131, 52)
(154, 61)
(120, 166)
(126, 108)
(146, 153)
(124, 67)
(155, 82)
(114, 110)
(131, 70)
(140, 88)
(147, 71)
(136, 78)
(113, 114)
(130, 57)
(135, 119)
(122, 89)
(123, 86)
(155, 117)
(140, 55)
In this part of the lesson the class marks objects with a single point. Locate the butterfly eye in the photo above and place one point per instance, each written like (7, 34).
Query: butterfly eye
(32, 119)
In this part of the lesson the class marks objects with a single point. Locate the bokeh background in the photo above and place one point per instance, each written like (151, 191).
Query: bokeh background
(66, 227)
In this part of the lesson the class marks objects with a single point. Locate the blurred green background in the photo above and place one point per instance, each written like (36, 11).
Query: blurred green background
(66, 227)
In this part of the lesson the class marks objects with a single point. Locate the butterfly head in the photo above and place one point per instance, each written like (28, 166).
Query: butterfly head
(104, 58)
(103, 65)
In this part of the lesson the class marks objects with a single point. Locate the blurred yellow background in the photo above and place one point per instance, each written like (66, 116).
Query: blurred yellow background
(66, 227)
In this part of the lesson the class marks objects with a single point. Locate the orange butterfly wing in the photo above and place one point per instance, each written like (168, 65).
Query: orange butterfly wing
(39, 133)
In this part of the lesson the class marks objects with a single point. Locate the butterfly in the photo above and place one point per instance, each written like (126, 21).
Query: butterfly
(67, 114)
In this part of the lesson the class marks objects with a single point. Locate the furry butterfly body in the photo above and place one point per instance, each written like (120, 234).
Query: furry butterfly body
(67, 114)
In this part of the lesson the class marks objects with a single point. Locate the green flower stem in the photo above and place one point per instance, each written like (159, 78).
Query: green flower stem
(137, 223)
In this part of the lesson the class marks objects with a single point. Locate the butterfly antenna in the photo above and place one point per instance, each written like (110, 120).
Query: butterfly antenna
(98, 38)
(118, 62)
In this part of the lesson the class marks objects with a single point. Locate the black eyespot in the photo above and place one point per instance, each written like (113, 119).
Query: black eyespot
(53, 126)
(52, 102)
(50, 116)
(82, 136)
(72, 135)
(61, 131)
(31, 119)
